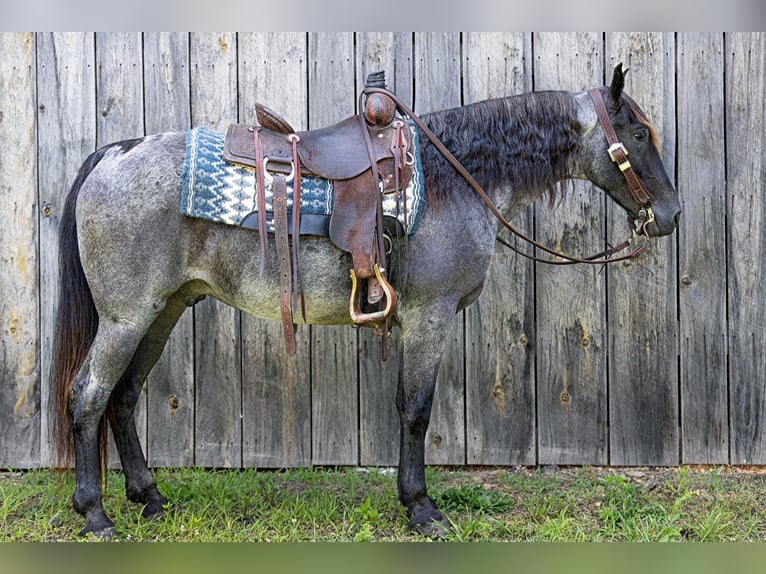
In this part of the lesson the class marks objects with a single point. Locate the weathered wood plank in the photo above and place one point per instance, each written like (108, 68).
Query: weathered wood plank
(571, 318)
(437, 81)
(500, 374)
(120, 94)
(170, 385)
(276, 393)
(19, 285)
(746, 211)
(120, 116)
(334, 379)
(218, 373)
(702, 248)
(643, 365)
(66, 84)
(378, 419)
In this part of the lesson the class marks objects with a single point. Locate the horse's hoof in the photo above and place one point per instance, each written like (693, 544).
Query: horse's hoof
(434, 525)
(435, 529)
(154, 510)
(108, 533)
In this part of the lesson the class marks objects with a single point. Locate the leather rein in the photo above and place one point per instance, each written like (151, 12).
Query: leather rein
(617, 152)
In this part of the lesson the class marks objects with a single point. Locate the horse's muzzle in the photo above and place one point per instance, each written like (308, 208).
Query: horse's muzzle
(663, 224)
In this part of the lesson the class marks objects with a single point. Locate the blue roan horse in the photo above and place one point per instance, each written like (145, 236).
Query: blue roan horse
(131, 263)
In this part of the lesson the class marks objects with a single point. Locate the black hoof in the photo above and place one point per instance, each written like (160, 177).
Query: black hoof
(426, 519)
(435, 529)
(154, 510)
(108, 533)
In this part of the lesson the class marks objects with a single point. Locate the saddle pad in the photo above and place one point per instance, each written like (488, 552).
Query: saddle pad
(217, 190)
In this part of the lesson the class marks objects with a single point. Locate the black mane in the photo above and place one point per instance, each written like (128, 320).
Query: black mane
(523, 141)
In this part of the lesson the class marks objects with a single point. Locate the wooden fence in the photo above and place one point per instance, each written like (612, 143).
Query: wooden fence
(660, 363)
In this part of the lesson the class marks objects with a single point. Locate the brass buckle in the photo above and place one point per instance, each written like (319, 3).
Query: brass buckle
(649, 214)
(614, 148)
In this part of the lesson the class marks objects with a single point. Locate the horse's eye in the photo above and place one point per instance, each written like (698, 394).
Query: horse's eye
(641, 135)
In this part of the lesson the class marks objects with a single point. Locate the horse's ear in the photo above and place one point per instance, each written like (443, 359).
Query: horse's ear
(618, 83)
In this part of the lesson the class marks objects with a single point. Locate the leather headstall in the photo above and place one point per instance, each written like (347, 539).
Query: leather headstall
(617, 151)
(645, 215)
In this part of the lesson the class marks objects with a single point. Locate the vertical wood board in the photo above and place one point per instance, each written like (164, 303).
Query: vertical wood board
(746, 212)
(378, 419)
(218, 372)
(120, 116)
(500, 384)
(334, 377)
(702, 248)
(19, 285)
(170, 385)
(643, 379)
(571, 320)
(437, 87)
(66, 84)
(276, 393)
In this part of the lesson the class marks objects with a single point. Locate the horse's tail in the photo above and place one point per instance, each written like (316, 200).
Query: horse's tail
(76, 322)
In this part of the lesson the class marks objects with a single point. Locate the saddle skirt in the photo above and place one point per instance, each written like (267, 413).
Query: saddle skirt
(217, 190)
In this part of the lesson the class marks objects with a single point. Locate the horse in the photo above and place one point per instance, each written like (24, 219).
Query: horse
(131, 263)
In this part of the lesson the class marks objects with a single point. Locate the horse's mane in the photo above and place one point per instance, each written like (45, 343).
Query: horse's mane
(523, 141)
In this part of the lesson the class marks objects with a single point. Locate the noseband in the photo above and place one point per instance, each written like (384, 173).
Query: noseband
(617, 152)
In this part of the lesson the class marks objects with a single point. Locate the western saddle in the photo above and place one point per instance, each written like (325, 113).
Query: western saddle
(366, 155)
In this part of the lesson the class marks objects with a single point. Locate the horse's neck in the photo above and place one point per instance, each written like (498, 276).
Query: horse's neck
(518, 148)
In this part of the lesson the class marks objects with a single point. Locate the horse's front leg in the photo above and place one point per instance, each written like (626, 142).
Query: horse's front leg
(423, 335)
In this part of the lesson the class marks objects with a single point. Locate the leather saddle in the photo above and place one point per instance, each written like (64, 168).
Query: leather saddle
(365, 155)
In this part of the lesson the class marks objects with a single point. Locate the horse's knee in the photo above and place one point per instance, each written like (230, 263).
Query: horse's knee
(415, 414)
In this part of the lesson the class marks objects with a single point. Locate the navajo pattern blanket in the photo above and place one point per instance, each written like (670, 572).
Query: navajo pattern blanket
(215, 189)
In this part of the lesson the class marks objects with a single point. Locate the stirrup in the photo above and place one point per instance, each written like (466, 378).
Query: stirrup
(375, 317)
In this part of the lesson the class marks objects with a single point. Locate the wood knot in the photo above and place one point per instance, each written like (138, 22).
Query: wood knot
(173, 404)
(498, 394)
(436, 439)
(565, 398)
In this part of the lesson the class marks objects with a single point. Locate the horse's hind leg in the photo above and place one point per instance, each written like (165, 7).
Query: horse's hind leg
(109, 356)
(140, 485)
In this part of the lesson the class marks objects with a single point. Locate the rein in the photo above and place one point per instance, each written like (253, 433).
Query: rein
(617, 153)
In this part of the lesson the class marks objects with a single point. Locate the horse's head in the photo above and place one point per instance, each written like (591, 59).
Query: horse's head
(627, 163)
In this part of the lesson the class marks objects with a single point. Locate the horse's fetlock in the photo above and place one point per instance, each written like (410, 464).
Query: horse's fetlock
(82, 502)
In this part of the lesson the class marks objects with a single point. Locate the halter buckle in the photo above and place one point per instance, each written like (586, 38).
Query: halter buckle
(621, 162)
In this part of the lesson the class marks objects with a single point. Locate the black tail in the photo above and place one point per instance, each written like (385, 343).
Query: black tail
(76, 321)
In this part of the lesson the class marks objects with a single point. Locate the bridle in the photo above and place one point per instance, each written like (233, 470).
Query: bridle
(617, 152)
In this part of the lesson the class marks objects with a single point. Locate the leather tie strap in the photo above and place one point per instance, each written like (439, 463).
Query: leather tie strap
(260, 198)
(283, 257)
(617, 151)
(297, 278)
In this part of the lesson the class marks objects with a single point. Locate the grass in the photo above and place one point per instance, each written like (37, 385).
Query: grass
(484, 504)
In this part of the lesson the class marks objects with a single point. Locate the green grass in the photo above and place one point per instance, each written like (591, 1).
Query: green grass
(483, 504)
